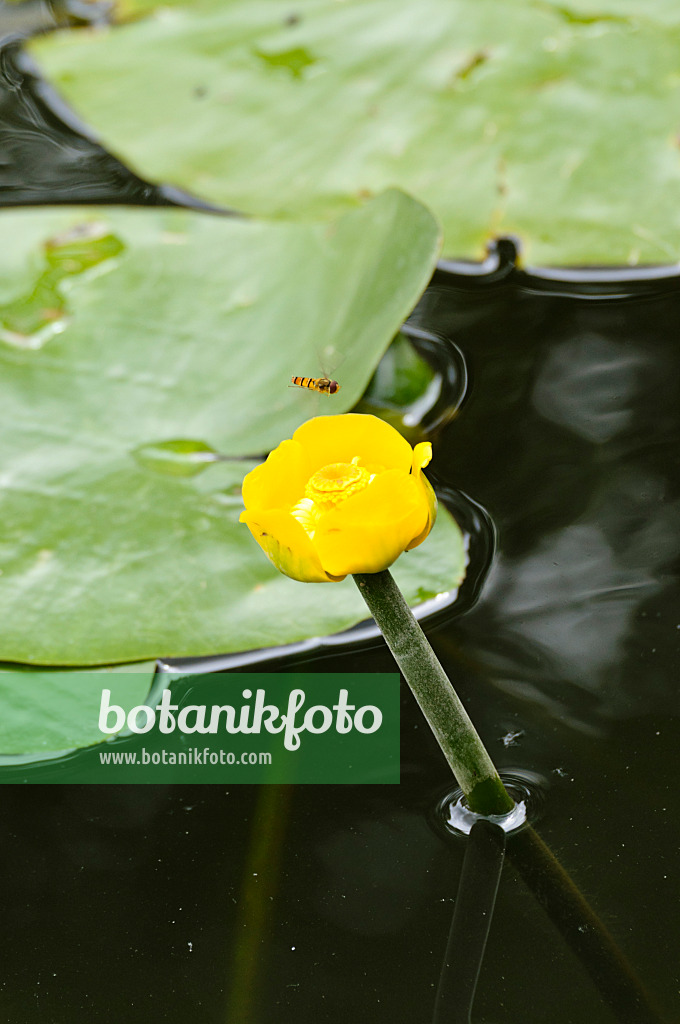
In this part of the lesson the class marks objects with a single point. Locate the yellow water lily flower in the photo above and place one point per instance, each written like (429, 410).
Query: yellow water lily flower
(347, 494)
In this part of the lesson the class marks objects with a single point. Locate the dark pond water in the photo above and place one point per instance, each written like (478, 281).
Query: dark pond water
(333, 904)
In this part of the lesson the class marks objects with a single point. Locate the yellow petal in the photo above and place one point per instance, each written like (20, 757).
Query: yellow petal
(371, 529)
(365, 532)
(328, 439)
(286, 544)
(280, 481)
(422, 454)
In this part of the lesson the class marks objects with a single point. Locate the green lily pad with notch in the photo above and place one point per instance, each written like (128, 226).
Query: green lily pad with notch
(553, 121)
(177, 341)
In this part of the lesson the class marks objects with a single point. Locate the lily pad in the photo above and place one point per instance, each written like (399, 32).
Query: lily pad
(552, 121)
(49, 713)
(180, 339)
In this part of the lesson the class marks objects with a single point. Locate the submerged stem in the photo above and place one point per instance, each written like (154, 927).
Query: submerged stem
(446, 716)
(486, 795)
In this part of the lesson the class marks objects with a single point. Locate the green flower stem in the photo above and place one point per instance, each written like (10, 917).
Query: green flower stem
(446, 716)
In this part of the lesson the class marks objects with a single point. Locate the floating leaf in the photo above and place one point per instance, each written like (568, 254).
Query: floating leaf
(45, 713)
(550, 120)
(192, 332)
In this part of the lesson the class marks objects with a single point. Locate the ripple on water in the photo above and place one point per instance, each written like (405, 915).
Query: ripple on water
(527, 789)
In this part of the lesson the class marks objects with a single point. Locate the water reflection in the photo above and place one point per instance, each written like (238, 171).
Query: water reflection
(588, 384)
(574, 597)
(569, 438)
(372, 873)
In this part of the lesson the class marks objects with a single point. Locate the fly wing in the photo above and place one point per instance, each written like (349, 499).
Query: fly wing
(330, 359)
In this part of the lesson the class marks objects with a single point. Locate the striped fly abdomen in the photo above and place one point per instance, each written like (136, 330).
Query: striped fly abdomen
(323, 385)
